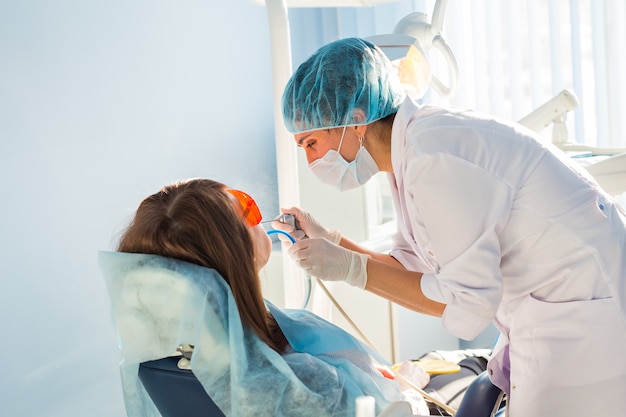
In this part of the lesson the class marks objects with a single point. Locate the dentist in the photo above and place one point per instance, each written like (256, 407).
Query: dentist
(493, 226)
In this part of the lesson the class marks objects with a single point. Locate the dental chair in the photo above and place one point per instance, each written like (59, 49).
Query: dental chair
(482, 399)
(159, 304)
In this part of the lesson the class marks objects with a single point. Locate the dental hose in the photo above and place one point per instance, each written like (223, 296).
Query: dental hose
(307, 278)
(280, 232)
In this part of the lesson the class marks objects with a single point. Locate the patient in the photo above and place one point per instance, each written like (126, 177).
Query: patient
(205, 223)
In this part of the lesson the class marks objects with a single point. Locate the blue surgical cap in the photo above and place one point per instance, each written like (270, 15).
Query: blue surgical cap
(346, 82)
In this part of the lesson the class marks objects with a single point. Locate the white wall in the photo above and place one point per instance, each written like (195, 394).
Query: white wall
(101, 103)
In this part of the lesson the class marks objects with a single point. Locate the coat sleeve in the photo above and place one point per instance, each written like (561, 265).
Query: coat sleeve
(462, 207)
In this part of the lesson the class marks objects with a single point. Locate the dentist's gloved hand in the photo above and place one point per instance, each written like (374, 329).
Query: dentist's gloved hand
(306, 226)
(328, 261)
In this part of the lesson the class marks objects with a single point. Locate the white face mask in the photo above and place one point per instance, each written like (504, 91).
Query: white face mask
(333, 169)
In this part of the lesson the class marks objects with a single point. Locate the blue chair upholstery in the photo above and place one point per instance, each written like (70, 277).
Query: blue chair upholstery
(482, 399)
(176, 392)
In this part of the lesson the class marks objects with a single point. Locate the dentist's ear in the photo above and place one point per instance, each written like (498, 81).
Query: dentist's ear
(360, 130)
(358, 116)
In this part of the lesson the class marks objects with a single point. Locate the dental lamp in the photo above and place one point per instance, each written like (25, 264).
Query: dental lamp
(407, 56)
(405, 48)
(553, 111)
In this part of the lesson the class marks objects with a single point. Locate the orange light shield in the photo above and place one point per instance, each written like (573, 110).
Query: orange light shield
(251, 212)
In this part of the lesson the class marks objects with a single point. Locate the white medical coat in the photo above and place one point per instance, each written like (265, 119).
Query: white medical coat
(509, 230)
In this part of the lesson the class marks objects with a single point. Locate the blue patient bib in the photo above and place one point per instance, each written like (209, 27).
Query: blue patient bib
(308, 333)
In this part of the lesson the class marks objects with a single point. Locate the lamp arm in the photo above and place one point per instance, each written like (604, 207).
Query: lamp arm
(428, 35)
(440, 44)
(438, 13)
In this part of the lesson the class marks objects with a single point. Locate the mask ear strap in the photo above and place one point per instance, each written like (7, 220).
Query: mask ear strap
(341, 141)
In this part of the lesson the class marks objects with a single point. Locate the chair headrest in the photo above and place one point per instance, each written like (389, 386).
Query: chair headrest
(159, 303)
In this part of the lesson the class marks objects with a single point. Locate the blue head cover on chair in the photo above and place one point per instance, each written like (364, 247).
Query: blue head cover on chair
(160, 303)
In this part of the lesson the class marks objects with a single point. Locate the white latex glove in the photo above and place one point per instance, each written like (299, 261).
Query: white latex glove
(307, 226)
(329, 261)
(414, 374)
(410, 376)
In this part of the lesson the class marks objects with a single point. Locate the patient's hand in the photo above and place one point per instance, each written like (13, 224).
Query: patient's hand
(413, 374)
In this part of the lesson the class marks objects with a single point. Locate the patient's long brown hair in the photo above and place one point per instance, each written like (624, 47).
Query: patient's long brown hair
(196, 221)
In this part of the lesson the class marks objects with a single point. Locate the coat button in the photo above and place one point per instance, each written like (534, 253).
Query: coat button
(431, 253)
